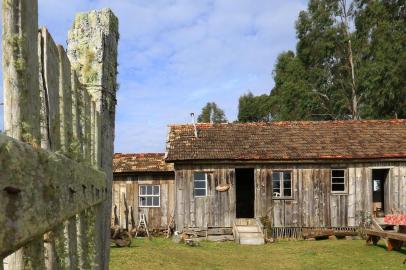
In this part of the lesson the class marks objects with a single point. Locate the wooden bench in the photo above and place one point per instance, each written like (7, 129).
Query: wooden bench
(393, 240)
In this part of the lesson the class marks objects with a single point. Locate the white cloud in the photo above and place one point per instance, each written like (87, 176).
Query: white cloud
(176, 55)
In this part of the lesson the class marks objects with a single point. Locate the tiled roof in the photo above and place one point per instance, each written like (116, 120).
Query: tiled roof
(147, 162)
(279, 141)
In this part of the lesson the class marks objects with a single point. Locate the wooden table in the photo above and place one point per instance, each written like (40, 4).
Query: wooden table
(394, 240)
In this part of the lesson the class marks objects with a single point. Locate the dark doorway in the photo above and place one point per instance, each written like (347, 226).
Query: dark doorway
(245, 194)
(379, 182)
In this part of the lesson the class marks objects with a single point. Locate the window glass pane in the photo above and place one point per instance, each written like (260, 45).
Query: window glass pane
(156, 201)
(200, 184)
(337, 180)
(142, 190)
(200, 176)
(149, 201)
(275, 176)
(156, 190)
(287, 192)
(287, 183)
(142, 201)
(276, 184)
(149, 190)
(338, 187)
(200, 192)
(337, 173)
(286, 176)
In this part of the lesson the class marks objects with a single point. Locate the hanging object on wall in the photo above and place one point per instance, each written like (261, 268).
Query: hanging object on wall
(222, 188)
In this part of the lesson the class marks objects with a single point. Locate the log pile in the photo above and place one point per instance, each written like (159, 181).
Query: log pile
(120, 236)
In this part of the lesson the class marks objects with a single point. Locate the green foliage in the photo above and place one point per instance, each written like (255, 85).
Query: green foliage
(316, 81)
(211, 113)
(381, 38)
(254, 108)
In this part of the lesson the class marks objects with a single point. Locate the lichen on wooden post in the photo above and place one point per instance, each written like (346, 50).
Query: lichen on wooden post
(21, 95)
(92, 49)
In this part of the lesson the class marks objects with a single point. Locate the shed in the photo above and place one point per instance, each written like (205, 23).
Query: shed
(303, 174)
(146, 182)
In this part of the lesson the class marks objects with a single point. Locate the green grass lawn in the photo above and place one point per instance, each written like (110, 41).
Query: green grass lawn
(324, 254)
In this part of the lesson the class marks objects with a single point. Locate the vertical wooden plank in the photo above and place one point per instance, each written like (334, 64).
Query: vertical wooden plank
(334, 210)
(359, 195)
(393, 178)
(300, 197)
(83, 243)
(164, 205)
(179, 199)
(65, 97)
(20, 70)
(71, 233)
(295, 193)
(22, 103)
(171, 199)
(87, 134)
(316, 197)
(368, 189)
(402, 189)
(351, 196)
(269, 203)
(49, 59)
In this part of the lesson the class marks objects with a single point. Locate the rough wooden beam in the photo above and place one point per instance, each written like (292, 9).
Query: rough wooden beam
(46, 190)
(92, 50)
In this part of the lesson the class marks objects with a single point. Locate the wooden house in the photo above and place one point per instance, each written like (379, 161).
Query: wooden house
(327, 174)
(146, 184)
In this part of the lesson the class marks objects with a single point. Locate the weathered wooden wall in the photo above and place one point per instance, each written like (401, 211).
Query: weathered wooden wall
(217, 209)
(312, 204)
(128, 186)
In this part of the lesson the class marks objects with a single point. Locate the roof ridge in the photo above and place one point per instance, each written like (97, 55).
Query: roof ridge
(138, 154)
(297, 122)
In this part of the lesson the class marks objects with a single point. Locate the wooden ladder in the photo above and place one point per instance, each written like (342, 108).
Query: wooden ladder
(142, 224)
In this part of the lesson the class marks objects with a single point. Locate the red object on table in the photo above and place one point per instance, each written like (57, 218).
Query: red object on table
(395, 219)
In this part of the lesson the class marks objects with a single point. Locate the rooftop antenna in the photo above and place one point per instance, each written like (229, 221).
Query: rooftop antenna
(194, 123)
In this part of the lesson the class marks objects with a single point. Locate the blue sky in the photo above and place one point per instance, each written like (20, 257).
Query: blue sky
(177, 55)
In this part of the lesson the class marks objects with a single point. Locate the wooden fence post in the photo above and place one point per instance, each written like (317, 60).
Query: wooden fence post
(22, 96)
(95, 55)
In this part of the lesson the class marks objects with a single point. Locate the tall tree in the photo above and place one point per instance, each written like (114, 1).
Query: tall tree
(254, 108)
(292, 97)
(381, 36)
(322, 49)
(350, 62)
(211, 113)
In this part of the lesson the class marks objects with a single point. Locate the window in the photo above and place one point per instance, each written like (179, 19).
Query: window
(338, 181)
(200, 184)
(149, 195)
(282, 185)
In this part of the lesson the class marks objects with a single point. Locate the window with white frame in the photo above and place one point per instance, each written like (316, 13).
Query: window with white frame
(149, 195)
(281, 184)
(200, 184)
(338, 181)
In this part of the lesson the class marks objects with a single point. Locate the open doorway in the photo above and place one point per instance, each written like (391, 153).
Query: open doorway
(379, 183)
(245, 193)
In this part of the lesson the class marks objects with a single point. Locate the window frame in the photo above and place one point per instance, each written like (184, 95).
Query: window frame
(205, 184)
(149, 195)
(282, 185)
(344, 177)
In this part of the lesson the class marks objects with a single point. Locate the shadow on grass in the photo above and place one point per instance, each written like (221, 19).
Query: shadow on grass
(383, 246)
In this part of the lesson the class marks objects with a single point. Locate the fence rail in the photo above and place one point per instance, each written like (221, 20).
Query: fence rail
(55, 156)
